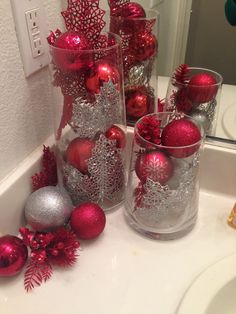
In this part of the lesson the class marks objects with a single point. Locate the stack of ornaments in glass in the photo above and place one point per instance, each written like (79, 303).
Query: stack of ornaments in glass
(138, 30)
(195, 92)
(90, 114)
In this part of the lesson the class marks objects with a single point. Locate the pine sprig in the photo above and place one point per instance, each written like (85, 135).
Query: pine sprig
(36, 273)
(181, 75)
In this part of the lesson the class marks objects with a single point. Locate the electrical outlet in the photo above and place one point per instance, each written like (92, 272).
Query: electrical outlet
(31, 31)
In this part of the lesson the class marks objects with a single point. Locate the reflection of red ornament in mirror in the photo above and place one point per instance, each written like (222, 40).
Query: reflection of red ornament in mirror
(138, 102)
(144, 46)
(202, 88)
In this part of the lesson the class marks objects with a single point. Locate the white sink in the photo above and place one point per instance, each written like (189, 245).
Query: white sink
(213, 292)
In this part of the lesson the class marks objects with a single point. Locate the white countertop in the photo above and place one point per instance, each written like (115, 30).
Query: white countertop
(123, 272)
(226, 124)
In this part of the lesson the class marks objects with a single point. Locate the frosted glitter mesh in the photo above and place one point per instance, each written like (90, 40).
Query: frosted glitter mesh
(106, 179)
(89, 118)
(159, 205)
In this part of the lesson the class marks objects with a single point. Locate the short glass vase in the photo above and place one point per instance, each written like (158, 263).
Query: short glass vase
(163, 181)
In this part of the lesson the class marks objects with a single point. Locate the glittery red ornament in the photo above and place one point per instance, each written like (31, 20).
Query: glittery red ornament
(13, 255)
(144, 46)
(138, 102)
(78, 153)
(202, 88)
(183, 134)
(117, 134)
(182, 102)
(68, 57)
(132, 10)
(154, 165)
(102, 72)
(88, 221)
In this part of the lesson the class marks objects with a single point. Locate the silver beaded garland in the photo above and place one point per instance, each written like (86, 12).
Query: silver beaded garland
(48, 208)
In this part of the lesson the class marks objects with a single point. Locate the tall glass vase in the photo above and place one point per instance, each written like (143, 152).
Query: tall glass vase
(90, 122)
(139, 47)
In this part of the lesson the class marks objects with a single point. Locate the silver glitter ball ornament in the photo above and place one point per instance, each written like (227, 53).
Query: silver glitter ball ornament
(201, 118)
(48, 208)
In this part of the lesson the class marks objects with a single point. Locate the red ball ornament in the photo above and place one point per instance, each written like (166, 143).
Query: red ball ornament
(117, 134)
(69, 57)
(138, 103)
(78, 153)
(183, 134)
(13, 255)
(102, 72)
(144, 46)
(202, 88)
(182, 102)
(132, 10)
(88, 221)
(154, 165)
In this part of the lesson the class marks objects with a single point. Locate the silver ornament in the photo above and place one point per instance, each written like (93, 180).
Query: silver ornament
(201, 118)
(137, 75)
(48, 208)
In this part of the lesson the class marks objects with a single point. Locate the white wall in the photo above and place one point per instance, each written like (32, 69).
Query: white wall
(25, 104)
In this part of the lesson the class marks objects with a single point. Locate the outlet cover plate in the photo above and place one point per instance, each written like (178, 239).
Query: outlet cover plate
(31, 63)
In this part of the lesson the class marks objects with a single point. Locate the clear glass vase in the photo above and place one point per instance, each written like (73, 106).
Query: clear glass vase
(198, 96)
(163, 183)
(90, 122)
(139, 47)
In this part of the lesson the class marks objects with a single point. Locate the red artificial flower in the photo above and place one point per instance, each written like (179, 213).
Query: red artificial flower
(149, 129)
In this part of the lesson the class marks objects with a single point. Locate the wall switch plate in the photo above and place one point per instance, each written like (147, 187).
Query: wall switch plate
(31, 31)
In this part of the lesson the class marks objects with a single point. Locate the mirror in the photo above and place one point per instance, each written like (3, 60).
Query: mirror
(212, 44)
(204, 39)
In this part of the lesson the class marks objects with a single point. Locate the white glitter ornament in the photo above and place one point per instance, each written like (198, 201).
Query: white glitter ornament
(48, 208)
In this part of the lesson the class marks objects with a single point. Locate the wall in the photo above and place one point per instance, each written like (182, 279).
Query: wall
(212, 40)
(25, 104)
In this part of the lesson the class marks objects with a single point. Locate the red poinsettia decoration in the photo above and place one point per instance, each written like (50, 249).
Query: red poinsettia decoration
(53, 248)
(149, 129)
(48, 175)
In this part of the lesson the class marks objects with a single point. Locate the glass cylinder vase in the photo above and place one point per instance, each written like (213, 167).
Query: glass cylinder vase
(196, 92)
(90, 122)
(139, 49)
(163, 184)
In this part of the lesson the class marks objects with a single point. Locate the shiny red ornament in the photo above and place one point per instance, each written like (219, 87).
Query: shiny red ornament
(138, 103)
(144, 46)
(182, 101)
(69, 56)
(132, 10)
(117, 134)
(102, 73)
(13, 255)
(88, 221)
(78, 153)
(202, 88)
(183, 134)
(154, 165)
